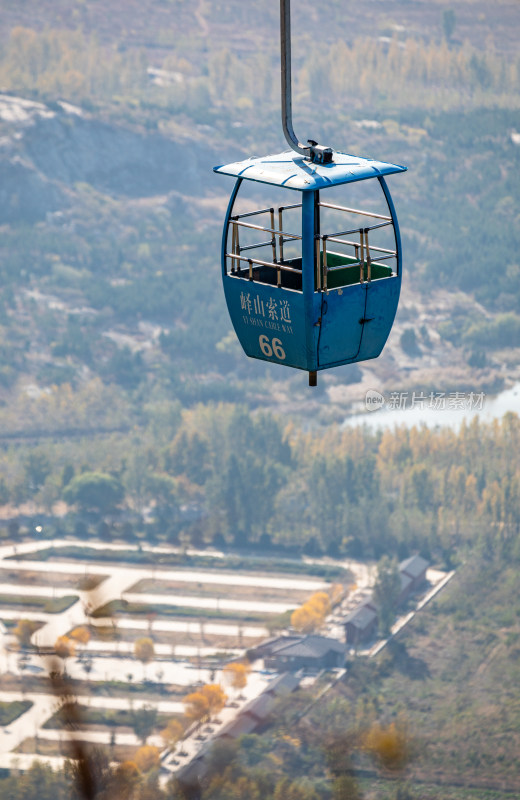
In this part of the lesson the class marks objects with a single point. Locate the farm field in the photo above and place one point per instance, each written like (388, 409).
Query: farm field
(197, 620)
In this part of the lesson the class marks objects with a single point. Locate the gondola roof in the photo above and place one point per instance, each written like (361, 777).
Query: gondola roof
(293, 171)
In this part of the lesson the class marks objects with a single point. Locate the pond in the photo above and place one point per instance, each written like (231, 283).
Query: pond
(433, 409)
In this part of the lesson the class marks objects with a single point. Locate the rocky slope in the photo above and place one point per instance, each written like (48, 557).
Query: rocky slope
(45, 151)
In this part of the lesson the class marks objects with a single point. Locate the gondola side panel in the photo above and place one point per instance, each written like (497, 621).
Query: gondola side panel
(380, 311)
(341, 326)
(269, 322)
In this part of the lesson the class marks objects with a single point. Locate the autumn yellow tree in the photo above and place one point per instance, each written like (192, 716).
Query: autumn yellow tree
(388, 744)
(320, 601)
(144, 651)
(81, 634)
(337, 591)
(126, 778)
(305, 619)
(196, 706)
(147, 758)
(64, 648)
(172, 733)
(310, 616)
(216, 697)
(236, 674)
(205, 702)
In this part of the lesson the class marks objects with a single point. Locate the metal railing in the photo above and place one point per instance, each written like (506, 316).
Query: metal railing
(279, 237)
(363, 250)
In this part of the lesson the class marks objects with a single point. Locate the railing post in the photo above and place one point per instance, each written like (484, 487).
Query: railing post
(325, 267)
(369, 263)
(280, 227)
(362, 258)
(273, 238)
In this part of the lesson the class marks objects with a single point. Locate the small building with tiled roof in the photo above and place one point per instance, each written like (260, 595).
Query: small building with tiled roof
(260, 707)
(360, 625)
(415, 567)
(282, 685)
(406, 587)
(239, 726)
(267, 647)
(308, 652)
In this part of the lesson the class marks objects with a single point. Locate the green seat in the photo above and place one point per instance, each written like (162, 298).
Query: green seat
(350, 275)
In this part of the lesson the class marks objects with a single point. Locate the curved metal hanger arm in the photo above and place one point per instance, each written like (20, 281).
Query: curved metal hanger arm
(285, 50)
(313, 151)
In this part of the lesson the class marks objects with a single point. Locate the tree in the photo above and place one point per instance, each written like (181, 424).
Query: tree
(345, 788)
(147, 758)
(305, 619)
(64, 648)
(81, 634)
(172, 733)
(387, 589)
(421, 487)
(449, 21)
(144, 651)
(87, 666)
(389, 744)
(94, 491)
(320, 601)
(236, 674)
(125, 780)
(67, 474)
(164, 490)
(144, 720)
(37, 468)
(312, 614)
(216, 697)
(40, 781)
(196, 706)
(24, 630)
(125, 368)
(205, 702)
(5, 494)
(295, 790)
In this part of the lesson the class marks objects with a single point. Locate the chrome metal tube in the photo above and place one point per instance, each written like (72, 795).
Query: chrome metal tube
(355, 211)
(318, 264)
(252, 213)
(357, 264)
(254, 246)
(325, 267)
(354, 230)
(259, 263)
(267, 230)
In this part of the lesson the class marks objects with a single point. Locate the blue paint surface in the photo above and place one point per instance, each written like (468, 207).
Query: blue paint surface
(257, 311)
(293, 171)
(380, 310)
(309, 329)
(341, 330)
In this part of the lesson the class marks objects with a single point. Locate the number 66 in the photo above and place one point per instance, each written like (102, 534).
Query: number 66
(268, 349)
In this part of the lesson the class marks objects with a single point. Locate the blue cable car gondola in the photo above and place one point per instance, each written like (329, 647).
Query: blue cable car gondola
(332, 299)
